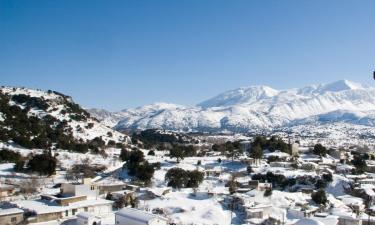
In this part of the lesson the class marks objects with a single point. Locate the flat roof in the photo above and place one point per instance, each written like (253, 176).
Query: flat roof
(10, 211)
(138, 215)
(43, 207)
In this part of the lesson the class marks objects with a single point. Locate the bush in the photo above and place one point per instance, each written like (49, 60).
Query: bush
(9, 156)
(268, 192)
(320, 184)
(44, 164)
(319, 197)
(319, 150)
(327, 177)
(179, 178)
(137, 165)
(360, 165)
(151, 152)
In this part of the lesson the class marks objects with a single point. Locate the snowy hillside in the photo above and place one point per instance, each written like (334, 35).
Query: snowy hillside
(256, 108)
(39, 119)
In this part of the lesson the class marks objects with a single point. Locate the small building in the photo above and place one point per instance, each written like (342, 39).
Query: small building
(281, 164)
(132, 187)
(12, 216)
(257, 211)
(130, 216)
(212, 172)
(346, 220)
(108, 188)
(80, 189)
(85, 218)
(295, 149)
(245, 146)
(44, 211)
(255, 184)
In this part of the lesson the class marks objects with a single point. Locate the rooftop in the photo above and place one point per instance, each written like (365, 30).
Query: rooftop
(135, 214)
(10, 211)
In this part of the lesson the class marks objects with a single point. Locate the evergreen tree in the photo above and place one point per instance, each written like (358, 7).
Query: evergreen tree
(44, 164)
(319, 150)
(256, 152)
(319, 197)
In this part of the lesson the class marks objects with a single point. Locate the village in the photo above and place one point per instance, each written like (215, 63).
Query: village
(238, 180)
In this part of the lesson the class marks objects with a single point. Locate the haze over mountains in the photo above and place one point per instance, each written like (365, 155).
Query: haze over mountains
(253, 108)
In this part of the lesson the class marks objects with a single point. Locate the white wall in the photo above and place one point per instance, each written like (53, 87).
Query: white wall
(120, 220)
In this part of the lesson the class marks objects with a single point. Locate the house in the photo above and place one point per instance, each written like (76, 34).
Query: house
(132, 187)
(11, 216)
(245, 146)
(255, 184)
(366, 192)
(346, 220)
(295, 149)
(130, 216)
(88, 219)
(212, 172)
(281, 164)
(339, 154)
(257, 211)
(108, 188)
(86, 188)
(73, 199)
(44, 211)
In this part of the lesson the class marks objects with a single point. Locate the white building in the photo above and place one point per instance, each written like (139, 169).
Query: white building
(88, 219)
(84, 189)
(129, 216)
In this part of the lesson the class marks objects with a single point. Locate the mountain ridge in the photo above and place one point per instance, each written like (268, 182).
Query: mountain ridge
(253, 108)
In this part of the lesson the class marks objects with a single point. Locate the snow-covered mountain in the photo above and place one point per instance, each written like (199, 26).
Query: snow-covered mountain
(256, 108)
(42, 119)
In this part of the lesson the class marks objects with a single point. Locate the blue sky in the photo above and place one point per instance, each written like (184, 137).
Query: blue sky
(120, 54)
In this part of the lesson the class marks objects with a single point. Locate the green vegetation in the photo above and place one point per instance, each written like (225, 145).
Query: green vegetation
(181, 151)
(230, 149)
(272, 144)
(319, 197)
(137, 165)
(360, 164)
(46, 132)
(320, 150)
(153, 138)
(44, 164)
(180, 178)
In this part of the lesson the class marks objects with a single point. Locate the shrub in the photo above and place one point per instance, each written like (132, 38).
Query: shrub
(319, 150)
(44, 164)
(180, 178)
(319, 197)
(268, 192)
(151, 152)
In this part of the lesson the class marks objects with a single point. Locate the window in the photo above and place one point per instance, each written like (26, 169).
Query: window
(13, 219)
(74, 211)
(86, 209)
(66, 213)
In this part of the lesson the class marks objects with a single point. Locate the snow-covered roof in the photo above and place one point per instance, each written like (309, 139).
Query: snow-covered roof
(138, 215)
(10, 211)
(308, 222)
(43, 207)
(278, 154)
(85, 215)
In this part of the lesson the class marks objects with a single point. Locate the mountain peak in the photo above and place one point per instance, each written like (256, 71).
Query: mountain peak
(341, 85)
(240, 96)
